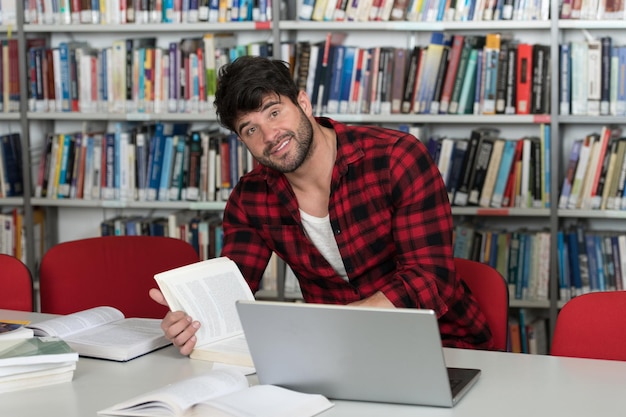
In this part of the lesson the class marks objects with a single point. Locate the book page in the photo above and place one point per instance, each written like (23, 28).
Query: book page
(120, 341)
(264, 401)
(207, 291)
(70, 324)
(174, 399)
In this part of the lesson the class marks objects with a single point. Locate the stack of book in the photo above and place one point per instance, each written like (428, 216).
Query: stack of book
(29, 362)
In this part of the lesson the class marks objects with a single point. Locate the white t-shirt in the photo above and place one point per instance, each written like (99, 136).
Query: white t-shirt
(320, 233)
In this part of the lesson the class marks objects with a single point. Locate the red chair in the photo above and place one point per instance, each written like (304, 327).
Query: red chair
(592, 326)
(16, 284)
(116, 271)
(491, 291)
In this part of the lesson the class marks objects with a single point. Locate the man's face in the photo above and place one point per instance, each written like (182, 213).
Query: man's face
(279, 135)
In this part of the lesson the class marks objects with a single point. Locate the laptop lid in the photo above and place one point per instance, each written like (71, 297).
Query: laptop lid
(352, 353)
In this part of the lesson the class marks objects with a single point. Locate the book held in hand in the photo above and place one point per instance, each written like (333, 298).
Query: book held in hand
(207, 291)
(220, 393)
(104, 333)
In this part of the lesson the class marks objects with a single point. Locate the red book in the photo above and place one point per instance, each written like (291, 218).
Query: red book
(508, 197)
(524, 78)
(453, 65)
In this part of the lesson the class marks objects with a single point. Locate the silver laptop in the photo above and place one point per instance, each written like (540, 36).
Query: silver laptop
(352, 353)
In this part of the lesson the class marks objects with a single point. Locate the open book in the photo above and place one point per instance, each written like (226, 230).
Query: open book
(207, 291)
(103, 332)
(221, 393)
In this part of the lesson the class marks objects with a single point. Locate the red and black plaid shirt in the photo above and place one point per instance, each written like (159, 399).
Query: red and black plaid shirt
(392, 222)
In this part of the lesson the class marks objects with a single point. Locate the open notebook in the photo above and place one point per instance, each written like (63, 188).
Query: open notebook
(352, 353)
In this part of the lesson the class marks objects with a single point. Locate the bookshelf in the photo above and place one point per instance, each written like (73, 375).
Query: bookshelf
(63, 215)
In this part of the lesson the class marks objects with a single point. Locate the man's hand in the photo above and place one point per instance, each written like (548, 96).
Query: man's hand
(377, 300)
(177, 326)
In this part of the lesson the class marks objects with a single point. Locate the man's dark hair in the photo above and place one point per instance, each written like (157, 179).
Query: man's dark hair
(243, 83)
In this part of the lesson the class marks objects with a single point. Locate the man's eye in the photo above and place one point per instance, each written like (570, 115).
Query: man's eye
(274, 113)
(251, 131)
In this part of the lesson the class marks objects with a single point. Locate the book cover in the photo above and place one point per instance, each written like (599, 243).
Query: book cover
(462, 191)
(540, 79)
(492, 60)
(580, 78)
(456, 167)
(524, 78)
(491, 175)
(504, 171)
(450, 77)
(565, 79)
(479, 171)
(568, 178)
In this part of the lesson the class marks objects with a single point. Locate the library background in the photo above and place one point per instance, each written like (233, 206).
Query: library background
(107, 124)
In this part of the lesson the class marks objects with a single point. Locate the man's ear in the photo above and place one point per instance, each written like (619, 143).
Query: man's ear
(305, 103)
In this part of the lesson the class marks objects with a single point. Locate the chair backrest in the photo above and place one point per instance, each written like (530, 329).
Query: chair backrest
(491, 291)
(592, 326)
(16, 284)
(116, 271)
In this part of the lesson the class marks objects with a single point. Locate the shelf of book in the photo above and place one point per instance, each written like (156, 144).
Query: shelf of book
(500, 212)
(153, 205)
(208, 116)
(147, 28)
(592, 214)
(10, 116)
(11, 201)
(407, 26)
(435, 119)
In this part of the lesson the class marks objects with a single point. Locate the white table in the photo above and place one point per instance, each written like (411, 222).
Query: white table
(510, 385)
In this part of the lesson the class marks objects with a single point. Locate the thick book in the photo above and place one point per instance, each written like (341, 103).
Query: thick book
(34, 351)
(220, 392)
(104, 333)
(35, 362)
(524, 78)
(207, 291)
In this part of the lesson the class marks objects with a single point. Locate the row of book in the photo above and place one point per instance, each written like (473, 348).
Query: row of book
(160, 162)
(202, 230)
(8, 15)
(595, 174)
(452, 74)
(522, 257)
(423, 11)
(488, 171)
(132, 75)
(591, 84)
(592, 10)
(528, 334)
(590, 261)
(9, 76)
(72, 12)
(12, 236)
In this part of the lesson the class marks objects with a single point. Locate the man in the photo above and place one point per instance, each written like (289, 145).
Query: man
(359, 213)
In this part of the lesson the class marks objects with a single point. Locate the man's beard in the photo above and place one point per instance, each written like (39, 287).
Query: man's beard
(303, 140)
